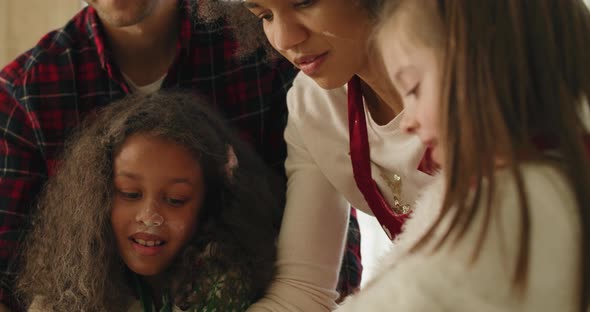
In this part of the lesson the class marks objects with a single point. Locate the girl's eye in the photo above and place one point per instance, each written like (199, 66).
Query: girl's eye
(130, 195)
(175, 201)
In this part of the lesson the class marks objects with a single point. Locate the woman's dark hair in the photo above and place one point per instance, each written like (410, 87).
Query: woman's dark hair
(71, 259)
(247, 28)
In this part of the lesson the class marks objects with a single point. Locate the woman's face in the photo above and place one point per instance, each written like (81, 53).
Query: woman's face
(326, 39)
(159, 191)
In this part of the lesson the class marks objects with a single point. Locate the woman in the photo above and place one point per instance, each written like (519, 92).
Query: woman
(327, 40)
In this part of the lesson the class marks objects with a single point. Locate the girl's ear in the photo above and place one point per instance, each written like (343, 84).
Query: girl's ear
(231, 164)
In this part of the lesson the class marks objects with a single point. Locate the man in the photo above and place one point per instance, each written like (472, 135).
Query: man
(108, 50)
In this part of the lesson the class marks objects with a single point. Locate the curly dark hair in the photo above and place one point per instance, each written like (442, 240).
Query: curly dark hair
(71, 260)
(246, 27)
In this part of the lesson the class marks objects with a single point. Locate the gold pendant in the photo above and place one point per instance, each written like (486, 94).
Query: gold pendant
(395, 186)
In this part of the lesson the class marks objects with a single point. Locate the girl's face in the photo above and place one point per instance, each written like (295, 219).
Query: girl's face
(159, 190)
(415, 73)
(324, 38)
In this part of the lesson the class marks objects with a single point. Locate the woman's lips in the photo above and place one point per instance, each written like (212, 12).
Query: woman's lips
(310, 64)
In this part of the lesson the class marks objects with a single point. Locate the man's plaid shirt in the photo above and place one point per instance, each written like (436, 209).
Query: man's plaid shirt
(70, 73)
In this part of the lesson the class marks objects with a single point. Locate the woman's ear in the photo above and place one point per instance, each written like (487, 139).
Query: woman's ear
(231, 164)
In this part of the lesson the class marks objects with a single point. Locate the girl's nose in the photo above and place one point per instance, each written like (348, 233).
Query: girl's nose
(149, 215)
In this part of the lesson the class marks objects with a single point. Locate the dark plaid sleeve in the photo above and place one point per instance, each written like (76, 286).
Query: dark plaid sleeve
(21, 174)
(351, 271)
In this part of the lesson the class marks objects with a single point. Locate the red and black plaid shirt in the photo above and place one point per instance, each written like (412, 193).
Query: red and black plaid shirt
(70, 73)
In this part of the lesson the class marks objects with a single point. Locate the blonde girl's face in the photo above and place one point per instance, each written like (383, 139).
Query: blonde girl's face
(414, 71)
(325, 39)
(158, 193)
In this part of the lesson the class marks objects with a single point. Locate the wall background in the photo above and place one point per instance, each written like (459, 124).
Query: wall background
(24, 22)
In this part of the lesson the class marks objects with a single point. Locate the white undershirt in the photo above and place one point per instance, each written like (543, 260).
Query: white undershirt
(145, 89)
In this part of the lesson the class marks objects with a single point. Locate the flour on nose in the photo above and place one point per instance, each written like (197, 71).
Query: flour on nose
(329, 34)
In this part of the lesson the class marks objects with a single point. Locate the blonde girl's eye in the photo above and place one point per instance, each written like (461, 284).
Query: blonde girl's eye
(414, 91)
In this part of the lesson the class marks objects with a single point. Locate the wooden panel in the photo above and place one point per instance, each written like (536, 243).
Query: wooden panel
(24, 22)
(3, 32)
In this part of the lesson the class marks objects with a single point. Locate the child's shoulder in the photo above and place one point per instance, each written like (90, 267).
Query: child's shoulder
(545, 186)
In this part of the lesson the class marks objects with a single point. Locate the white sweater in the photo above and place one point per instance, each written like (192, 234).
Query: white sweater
(321, 189)
(445, 281)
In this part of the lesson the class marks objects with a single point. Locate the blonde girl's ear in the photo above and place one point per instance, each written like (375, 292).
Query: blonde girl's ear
(231, 164)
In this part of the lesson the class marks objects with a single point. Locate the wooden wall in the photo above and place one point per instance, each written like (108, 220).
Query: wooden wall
(23, 22)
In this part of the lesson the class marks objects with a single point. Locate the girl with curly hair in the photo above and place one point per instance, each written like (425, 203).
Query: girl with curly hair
(156, 206)
(499, 89)
(344, 143)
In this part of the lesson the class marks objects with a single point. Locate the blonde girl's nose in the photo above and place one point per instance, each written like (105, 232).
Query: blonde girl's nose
(409, 124)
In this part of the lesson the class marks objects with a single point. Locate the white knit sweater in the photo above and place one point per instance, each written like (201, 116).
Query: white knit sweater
(446, 281)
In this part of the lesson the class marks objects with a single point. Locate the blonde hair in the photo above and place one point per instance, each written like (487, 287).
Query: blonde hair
(512, 72)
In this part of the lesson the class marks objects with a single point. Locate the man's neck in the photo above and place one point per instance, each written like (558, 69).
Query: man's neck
(145, 51)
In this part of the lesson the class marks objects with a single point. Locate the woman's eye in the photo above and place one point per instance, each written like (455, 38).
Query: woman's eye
(265, 17)
(304, 3)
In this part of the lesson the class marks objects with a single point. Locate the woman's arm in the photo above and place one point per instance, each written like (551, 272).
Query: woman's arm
(312, 237)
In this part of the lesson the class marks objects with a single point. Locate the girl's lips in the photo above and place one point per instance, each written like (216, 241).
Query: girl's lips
(147, 244)
(311, 64)
(146, 236)
(146, 250)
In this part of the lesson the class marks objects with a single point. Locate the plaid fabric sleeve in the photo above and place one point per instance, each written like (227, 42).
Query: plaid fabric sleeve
(21, 174)
(349, 281)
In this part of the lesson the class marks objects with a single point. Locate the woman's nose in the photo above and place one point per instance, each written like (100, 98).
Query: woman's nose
(149, 214)
(286, 33)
